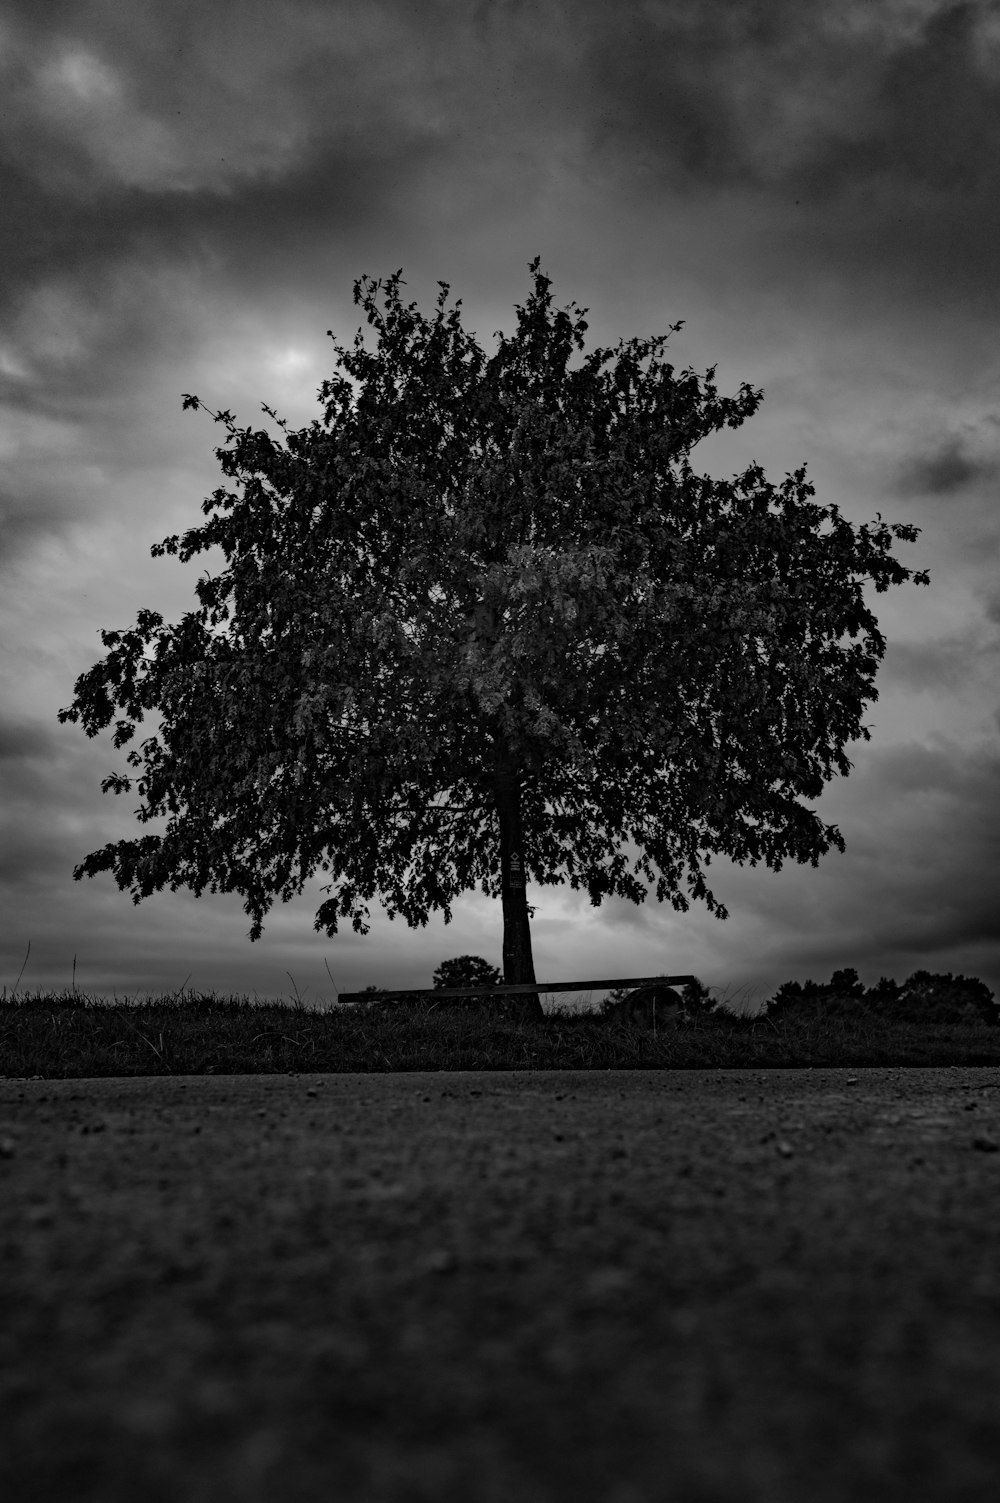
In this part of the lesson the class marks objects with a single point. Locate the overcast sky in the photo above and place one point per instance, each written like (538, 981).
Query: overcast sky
(189, 192)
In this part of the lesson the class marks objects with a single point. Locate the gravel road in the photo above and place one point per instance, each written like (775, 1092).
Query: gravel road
(615, 1286)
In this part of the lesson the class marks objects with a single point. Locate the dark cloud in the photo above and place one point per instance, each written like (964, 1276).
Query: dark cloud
(23, 741)
(943, 767)
(40, 777)
(215, 147)
(873, 130)
(208, 99)
(931, 667)
(891, 112)
(991, 607)
(939, 863)
(934, 118)
(806, 99)
(952, 464)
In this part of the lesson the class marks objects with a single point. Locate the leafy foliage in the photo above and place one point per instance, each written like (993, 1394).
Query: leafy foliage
(472, 970)
(486, 602)
(467, 970)
(698, 998)
(943, 997)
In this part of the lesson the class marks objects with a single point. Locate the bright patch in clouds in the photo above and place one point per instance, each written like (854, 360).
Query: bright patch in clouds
(88, 100)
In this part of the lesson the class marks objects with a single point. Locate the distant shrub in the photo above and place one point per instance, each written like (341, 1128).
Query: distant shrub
(938, 998)
(466, 970)
(839, 996)
(611, 1001)
(696, 998)
(884, 995)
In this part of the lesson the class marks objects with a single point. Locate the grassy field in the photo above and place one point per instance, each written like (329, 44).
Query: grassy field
(73, 1036)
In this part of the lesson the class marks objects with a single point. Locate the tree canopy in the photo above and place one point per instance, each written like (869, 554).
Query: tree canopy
(482, 624)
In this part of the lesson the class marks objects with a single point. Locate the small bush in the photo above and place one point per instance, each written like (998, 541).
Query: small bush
(466, 970)
(697, 999)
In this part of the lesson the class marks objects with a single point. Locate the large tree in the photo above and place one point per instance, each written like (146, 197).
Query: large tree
(482, 623)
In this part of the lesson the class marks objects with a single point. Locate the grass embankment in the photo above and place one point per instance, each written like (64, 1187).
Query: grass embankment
(76, 1037)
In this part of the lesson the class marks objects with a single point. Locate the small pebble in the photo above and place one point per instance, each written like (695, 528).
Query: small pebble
(440, 1261)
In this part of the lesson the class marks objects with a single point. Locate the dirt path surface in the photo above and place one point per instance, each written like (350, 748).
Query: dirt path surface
(526, 1287)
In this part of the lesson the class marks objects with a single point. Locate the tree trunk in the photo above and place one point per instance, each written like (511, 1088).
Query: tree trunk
(518, 965)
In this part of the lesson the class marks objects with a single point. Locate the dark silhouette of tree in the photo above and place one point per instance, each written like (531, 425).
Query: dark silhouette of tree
(483, 624)
(472, 970)
(841, 996)
(924, 997)
(941, 997)
(466, 970)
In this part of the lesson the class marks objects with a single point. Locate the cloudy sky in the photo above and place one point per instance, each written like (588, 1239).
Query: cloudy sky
(189, 192)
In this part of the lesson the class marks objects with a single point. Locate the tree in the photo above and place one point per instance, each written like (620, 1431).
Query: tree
(483, 623)
(466, 970)
(470, 970)
(929, 996)
(925, 997)
(843, 995)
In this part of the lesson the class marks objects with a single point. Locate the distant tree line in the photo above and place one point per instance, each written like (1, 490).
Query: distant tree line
(925, 997)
